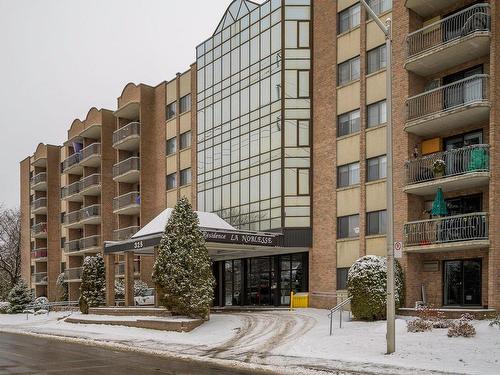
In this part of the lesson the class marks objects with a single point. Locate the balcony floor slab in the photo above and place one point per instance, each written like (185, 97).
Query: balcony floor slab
(448, 246)
(452, 183)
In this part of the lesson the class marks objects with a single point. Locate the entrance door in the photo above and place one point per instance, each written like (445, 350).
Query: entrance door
(462, 282)
(261, 281)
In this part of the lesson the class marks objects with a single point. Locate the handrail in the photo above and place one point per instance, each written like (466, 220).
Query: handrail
(335, 309)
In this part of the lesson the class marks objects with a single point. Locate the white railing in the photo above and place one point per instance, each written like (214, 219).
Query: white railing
(447, 229)
(459, 161)
(467, 91)
(466, 22)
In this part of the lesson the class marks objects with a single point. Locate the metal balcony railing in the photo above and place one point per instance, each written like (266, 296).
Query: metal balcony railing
(39, 178)
(447, 229)
(72, 246)
(38, 229)
(39, 277)
(120, 268)
(93, 150)
(73, 274)
(72, 218)
(125, 233)
(474, 89)
(131, 129)
(39, 203)
(90, 212)
(39, 253)
(459, 161)
(128, 165)
(90, 181)
(90, 242)
(459, 25)
(68, 191)
(71, 161)
(126, 200)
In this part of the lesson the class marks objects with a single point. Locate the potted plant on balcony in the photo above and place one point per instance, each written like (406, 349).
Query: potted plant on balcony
(438, 168)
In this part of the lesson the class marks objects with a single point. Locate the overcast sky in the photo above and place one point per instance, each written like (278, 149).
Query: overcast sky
(59, 58)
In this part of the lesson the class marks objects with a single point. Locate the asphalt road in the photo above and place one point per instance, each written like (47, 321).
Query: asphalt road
(20, 354)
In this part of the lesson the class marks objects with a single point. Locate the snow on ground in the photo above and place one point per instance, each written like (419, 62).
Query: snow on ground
(298, 339)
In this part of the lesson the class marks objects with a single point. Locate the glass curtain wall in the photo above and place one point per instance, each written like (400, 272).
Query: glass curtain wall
(242, 160)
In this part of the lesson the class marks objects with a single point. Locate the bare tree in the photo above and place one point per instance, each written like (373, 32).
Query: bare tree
(10, 246)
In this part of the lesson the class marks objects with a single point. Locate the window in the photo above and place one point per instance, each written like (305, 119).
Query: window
(185, 141)
(349, 18)
(171, 181)
(348, 226)
(348, 123)
(348, 175)
(185, 103)
(348, 71)
(376, 168)
(63, 241)
(380, 6)
(376, 223)
(171, 110)
(377, 114)
(185, 176)
(171, 146)
(376, 59)
(342, 274)
(303, 86)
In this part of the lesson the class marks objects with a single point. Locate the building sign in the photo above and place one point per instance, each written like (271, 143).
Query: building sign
(241, 238)
(398, 250)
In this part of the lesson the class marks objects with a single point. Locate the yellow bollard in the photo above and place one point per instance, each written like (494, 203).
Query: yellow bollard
(291, 300)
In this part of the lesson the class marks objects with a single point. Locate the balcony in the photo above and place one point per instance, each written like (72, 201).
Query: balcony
(125, 233)
(39, 255)
(72, 220)
(91, 185)
(127, 137)
(91, 215)
(127, 171)
(127, 204)
(39, 206)
(73, 274)
(71, 193)
(449, 107)
(466, 168)
(39, 230)
(39, 182)
(90, 156)
(84, 245)
(449, 42)
(461, 232)
(39, 278)
(427, 8)
(71, 165)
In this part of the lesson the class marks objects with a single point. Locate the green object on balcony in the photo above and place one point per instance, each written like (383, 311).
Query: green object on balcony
(439, 207)
(478, 160)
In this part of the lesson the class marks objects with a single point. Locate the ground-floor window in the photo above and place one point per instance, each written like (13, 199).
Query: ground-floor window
(462, 282)
(263, 281)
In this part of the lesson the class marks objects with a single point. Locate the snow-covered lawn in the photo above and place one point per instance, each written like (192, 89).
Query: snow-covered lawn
(297, 340)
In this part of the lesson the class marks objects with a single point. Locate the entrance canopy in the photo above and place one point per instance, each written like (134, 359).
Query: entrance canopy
(223, 240)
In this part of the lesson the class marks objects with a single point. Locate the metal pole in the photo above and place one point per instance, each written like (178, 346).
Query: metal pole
(391, 306)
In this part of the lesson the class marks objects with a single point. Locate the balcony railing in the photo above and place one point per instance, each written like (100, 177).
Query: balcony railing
(39, 254)
(68, 191)
(125, 233)
(459, 161)
(38, 204)
(90, 242)
(447, 229)
(72, 246)
(129, 130)
(39, 278)
(126, 200)
(71, 161)
(39, 229)
(449, 29)
(128, 165)
(72, 218)
(93, 150)
(73, 274)
(91, 181)
(38, 179)
(467, 91)
(90, 212)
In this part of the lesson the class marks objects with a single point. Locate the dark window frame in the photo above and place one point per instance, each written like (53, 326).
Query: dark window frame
(341, 221)
(380, 227)
(340, 183)
(342, 275)
(351, 22)
(351, 78)
(169, 143)
(381, 173)
(171, 177)
(380, 53)
(353, 123)
(369, 123)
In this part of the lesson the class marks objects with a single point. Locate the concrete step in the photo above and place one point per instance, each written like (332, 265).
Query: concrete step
(130, 311)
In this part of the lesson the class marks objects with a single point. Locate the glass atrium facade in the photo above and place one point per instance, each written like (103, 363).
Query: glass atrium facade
(254, 120)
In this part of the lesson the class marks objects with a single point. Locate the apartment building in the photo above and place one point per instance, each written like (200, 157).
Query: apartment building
(279, 128)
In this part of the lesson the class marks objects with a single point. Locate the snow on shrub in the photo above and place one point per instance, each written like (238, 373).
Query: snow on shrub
(462, 327)
(62, 288)
(4, 307)
(419, 325)
(434, 316)
(493, 323)
(93, 286)
(140, 288)
(41, 312)
(367, 284)
(41, 302)
(19, 297)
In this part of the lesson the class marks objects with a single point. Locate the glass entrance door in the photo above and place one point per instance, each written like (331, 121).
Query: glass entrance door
(261, 281)
(462, 282)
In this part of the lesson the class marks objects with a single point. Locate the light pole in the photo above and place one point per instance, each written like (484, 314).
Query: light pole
(391, 305)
